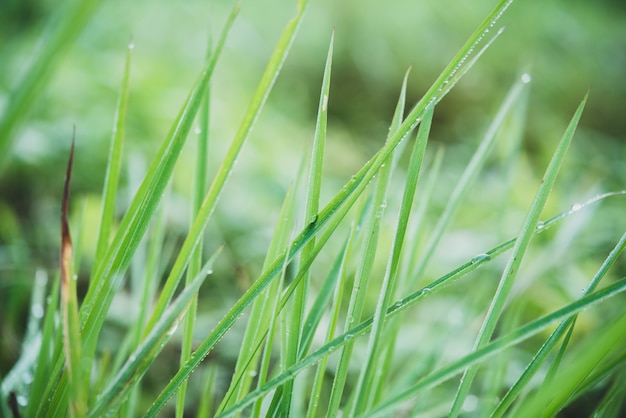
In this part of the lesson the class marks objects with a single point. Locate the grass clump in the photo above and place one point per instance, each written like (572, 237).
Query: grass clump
(361, 306)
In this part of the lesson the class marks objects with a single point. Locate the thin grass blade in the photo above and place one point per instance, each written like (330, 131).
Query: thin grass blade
(512, 267)
(564, 327)
(147, 351)
(371, 372)
(72, 346)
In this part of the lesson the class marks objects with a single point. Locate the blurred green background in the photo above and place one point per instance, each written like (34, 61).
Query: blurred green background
(567, 47)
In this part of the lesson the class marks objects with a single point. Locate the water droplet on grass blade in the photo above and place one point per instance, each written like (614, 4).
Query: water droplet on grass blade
(481, 258)
(576, 207)
(526, 78)
(541, 225)
(37, 311)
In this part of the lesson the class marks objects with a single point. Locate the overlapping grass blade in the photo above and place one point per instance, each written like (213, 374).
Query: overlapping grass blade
(469, 175)
(365, 262)
(371, 372)
(344, 197)
(71, 21)
(512, 267)
(312, 207)
(263, 313)
(131, 229)
(563, 328)
(147, 351)
(210, 201)
(553, 396)
(405, 303)
(496, 346)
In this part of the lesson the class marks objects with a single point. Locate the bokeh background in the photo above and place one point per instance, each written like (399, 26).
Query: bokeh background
(568, 47)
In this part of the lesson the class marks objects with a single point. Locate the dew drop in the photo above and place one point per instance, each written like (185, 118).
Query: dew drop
(426, 290)
(209, 271)
(37, 311)
(325, 103)
(526, 78)
(481, 258)
(252, 373)
(197, 130)
(576, 207)
(540, 225)
(21, 400)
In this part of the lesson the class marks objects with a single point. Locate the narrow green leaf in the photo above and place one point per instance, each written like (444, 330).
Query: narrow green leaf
(565, 326)
(469, 175)
(151, 346)
(337, 206)
(312, 207)
(453, 369)
(513, 265)
(371, 372)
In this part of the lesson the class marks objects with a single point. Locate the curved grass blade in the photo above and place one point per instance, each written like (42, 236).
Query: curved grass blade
(512, 267)
(70, 23)
(146, 353)
(563, 328)
(69, 307)
(344, 197)
(404, 304)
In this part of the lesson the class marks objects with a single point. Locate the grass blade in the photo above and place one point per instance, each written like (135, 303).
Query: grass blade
(147, 351)
(457, 367)
(367, 379)
(565, 326)
(312, 207)
(344, 199)
(69, 308)
(512, 267)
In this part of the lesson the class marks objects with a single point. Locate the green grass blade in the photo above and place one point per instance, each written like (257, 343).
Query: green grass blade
(312, 207)
(147, 351)
(588, 356)
(366, 262)
(496, 346)
(469, 175)
(371, 372)
(546, 348)
(210, 201)
(131, 229)
(114, 163)
(458, 366)
(195, 263)
(345, 198)
(71, 21)
(512, 267)
(264, 311)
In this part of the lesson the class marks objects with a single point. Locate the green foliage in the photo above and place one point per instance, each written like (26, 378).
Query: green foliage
(366, 297)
